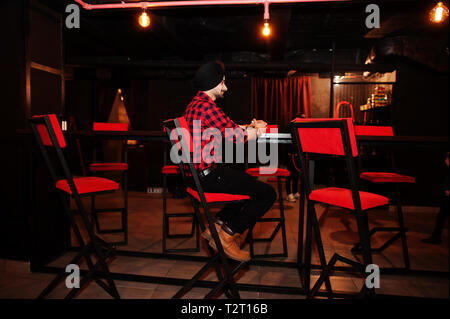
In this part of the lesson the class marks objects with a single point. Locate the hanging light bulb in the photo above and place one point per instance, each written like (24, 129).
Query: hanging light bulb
(439, 13)
(266, 29)
(144, 19)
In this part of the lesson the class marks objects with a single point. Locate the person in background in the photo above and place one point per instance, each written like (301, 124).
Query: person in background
(290, 159)
(435, 237)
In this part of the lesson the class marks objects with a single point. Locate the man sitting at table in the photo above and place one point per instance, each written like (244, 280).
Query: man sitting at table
(234, 219)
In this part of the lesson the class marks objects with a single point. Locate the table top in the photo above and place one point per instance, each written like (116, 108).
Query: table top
(278, 138)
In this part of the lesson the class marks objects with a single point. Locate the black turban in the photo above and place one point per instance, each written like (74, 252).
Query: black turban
(209, 75)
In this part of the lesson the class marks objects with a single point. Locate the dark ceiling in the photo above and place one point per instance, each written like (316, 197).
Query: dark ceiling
(301, 33)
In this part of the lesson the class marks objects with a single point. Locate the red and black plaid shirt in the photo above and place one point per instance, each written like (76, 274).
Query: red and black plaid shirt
(203, 108)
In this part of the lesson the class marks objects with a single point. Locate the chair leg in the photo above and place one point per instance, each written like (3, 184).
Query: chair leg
(282, 220)
(301, 221)
(125, 207)
(226, 278)
(164, 217)
(401, 225)
(99, 253)
(280, 225)
(84, 252)
(123, 211)
(308, 248)
(363, 231)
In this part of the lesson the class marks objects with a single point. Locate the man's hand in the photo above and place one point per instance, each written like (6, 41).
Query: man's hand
(252, 134)
(258, 123)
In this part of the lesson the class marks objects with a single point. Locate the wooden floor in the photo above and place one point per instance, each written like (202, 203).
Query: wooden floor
(430, 263)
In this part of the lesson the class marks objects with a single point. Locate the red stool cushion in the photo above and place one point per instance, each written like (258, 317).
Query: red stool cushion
(170, 169)
(108, 167)
(90, 184)
(342, 197)
(218, 197)
(267, 171)
(381, 177)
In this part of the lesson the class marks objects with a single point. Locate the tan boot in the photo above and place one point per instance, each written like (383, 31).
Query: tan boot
(229, 245)
(237, 238)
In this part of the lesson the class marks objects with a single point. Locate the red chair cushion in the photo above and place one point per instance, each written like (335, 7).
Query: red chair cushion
(383, 177)
(90, 184)
(218, 197)
(170, 169)
(108, 166)
(267, 171)
(342, 197)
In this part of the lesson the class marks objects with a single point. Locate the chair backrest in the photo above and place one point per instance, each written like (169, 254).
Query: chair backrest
(47, 128)
(50, 139)
(100, 126)
(331, 137)
(111, 127)
(179, 134)
(369, 130)
(324, 135)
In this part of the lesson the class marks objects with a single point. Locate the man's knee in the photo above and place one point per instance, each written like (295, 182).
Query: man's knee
(269, 194)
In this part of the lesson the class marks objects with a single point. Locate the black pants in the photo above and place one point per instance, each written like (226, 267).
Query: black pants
(293, 178)
(243, 215)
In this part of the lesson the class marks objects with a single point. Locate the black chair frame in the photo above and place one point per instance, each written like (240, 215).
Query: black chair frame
(166, 226)
(123, 210)
(400, 231)
(226, 278)
(312, 222)
(280, 225)
(96, 246)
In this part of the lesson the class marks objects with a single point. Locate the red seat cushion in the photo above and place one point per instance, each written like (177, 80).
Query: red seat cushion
(218, 197)
(170, 169)
(108, 167)
(342, 197)
(383, 177)
(267, 171)
(90, 184)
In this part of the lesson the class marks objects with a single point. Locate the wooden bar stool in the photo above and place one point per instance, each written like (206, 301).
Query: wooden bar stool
(112, 167)
(50, 140)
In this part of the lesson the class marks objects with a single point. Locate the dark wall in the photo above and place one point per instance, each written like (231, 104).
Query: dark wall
(31, 73)
(13, 242)
(421, 109)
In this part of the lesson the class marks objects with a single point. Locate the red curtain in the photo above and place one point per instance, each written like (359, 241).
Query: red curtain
(278, 100)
